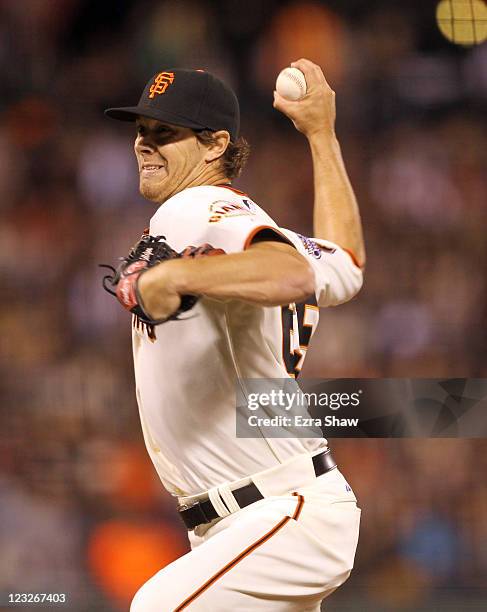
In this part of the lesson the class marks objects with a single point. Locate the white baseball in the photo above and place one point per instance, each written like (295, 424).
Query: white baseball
(291, 84)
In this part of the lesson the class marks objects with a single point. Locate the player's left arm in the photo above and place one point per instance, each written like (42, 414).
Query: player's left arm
(268, 273)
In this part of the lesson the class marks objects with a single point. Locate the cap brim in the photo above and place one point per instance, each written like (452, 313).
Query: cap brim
(130, 113)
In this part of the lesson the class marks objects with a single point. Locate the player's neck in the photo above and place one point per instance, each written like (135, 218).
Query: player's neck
(209, 176)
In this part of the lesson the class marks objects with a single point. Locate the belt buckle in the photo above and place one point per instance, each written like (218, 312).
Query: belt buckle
(185, 507)
(193, 514)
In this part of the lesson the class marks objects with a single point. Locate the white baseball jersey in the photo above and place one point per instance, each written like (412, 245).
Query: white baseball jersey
(186, 376)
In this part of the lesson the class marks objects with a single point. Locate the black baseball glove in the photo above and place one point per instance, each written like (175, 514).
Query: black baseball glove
(123, 282)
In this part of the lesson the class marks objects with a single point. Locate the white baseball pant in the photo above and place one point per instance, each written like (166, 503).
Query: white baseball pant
(283, 553)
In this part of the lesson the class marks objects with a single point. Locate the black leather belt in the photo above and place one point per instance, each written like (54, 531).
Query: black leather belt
(203, 512)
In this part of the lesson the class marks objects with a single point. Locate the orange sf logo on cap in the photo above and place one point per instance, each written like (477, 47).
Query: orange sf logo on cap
(161, 83)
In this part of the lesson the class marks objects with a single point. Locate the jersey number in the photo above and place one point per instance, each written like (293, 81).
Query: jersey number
(298, 324)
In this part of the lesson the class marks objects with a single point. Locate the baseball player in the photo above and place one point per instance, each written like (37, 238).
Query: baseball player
(272, 523)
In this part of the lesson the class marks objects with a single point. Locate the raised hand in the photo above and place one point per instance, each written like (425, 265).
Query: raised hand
(315, 113)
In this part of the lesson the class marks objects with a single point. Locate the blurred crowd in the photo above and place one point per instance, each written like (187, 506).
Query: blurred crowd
(81, 511)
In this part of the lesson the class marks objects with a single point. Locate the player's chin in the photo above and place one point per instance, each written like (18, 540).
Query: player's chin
(151, 191)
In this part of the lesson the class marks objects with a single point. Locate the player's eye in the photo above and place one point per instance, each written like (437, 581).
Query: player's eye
(163, 131)
(160, 133)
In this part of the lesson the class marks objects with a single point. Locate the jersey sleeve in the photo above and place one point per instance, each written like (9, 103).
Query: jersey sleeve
(338, 278)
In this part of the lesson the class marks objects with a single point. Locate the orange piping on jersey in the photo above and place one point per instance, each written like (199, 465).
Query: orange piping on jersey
(258, 229)
(352, 256)
(241, 193)
(242, 555)
(299, 507)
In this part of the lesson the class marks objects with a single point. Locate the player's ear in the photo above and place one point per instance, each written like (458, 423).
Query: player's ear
(217, 147)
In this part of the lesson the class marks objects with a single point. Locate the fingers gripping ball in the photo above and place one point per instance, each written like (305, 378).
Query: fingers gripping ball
(291, 84)
(123, 282)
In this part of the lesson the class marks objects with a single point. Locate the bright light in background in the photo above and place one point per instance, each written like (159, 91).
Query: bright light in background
(463, 22)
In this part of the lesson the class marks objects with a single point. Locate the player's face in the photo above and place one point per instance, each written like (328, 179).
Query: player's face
(170, 158)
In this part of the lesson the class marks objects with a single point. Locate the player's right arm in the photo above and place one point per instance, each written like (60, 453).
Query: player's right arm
(336, 214)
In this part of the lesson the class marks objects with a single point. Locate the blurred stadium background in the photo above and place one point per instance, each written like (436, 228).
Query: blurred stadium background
(81, 510)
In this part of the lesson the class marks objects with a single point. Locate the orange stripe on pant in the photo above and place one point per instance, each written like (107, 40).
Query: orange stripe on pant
(243, 554)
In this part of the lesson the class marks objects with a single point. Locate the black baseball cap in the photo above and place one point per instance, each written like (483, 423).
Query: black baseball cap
(190, 98)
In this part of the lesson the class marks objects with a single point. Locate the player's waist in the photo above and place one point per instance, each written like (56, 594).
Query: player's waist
(222, 500)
